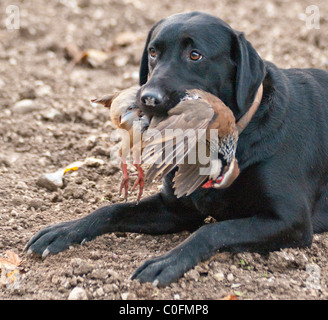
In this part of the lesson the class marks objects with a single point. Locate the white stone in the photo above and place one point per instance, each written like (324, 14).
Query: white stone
(78, 294)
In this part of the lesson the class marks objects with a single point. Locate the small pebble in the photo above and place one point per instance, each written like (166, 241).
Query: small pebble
(93, 162)
(125, 295)
(21, 185)
(25, 106)
(51, 181)
(81, 267)
(101, 274)
(99, 292)
(193, 274)
(219, 276)
(36, 203)
(78, 294)
(230, 277)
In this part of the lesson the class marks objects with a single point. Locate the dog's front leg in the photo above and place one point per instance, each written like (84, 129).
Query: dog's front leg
(154, 215)
(256, 233)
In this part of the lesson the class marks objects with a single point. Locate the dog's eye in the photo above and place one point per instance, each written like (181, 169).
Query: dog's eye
(152, 53)
(195, 56)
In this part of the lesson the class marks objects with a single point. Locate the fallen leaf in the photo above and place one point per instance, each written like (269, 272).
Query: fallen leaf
(124, 39)
(75, 54)
(73, 166)
(12, 261)
(230, 297)
(12, 276)
(11, 270)
(93, 57)
(71, 169)
(128, 38)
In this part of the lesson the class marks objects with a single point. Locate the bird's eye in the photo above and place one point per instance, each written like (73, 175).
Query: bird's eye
(152, 53)
(195, 56)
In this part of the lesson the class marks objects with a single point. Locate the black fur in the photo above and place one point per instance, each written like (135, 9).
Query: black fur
(280, 198)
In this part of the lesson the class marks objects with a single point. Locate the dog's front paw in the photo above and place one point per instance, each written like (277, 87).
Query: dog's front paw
(163, 270)
(56, 238)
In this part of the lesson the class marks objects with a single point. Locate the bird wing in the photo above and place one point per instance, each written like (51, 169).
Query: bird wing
(184, 120)
(187, 179)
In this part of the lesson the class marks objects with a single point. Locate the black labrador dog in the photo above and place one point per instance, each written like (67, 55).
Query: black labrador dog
(281, 195)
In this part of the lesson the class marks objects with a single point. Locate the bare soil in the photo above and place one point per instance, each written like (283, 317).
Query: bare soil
(60, 126)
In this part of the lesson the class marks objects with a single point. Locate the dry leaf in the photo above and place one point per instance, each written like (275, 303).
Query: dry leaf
(74, 166)
(93, 57)
(71, 169)
(73, 52)
(12, 261)
(10, 270)
(124, 39)
(12, 276)
(230, 297)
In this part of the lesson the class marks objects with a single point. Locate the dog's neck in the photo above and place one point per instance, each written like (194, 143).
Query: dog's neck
(247, 117)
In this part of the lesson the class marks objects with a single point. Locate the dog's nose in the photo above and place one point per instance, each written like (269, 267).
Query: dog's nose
(151, 98)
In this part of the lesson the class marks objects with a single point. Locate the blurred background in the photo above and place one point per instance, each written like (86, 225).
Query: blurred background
(36, 51)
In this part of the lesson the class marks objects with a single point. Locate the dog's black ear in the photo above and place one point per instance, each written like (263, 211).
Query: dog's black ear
(249, 74)
(144, 70)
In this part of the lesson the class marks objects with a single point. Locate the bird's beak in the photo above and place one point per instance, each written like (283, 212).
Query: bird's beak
(212, 183)
(129, 116)
(226, 179)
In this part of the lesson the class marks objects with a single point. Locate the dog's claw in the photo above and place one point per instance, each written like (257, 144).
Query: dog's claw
(155, 283)
(45, 253)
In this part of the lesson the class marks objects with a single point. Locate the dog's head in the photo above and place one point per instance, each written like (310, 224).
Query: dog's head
(197, 50)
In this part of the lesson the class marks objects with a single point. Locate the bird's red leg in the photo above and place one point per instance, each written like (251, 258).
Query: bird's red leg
(125, 179)
(139, 181)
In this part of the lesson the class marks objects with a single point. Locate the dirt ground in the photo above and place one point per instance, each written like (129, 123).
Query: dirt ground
(47, 122)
